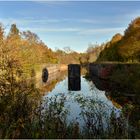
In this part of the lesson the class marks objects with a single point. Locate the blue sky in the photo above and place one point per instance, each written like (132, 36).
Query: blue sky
(70, 23)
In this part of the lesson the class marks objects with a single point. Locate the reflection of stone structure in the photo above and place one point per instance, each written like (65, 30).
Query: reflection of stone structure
(53, 79)
(74, 80)
(105, 85)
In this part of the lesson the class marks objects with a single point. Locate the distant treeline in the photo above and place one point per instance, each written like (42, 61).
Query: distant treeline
(24, 47)
(27, 48)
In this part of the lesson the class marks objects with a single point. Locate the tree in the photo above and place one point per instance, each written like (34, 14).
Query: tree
(14, 31)
(31, 37)
(67, 49)
(91, 47)
(1, 32)
(13, 37)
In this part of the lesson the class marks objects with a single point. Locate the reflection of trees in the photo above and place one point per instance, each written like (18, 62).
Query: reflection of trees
(116, 104)
(130, 108)
(125, 99)
(100, 119)
(104, 85)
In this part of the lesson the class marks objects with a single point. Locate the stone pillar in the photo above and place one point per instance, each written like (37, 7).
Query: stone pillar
(74, 77)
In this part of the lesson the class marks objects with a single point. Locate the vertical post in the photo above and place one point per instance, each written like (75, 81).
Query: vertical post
(74, 77)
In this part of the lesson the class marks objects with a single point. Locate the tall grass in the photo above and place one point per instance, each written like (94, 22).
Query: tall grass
(25, 117)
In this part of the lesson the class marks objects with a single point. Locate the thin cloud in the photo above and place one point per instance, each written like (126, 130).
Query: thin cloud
(78, 31)
(56, 2)
(52, 29)
(42, 29)
(101, 31)
(88, 21)
(28, 20)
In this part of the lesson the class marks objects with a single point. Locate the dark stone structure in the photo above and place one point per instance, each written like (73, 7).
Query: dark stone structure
(45, 75)
(104, 70)
(74, 79)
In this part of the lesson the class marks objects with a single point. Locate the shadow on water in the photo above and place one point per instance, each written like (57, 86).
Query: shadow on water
(128, 99)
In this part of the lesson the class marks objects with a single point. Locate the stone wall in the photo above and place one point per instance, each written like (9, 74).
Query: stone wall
(104, 70)
(53, 69)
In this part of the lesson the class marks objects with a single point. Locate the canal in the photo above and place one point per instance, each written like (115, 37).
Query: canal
(98, 104)
(76, 101)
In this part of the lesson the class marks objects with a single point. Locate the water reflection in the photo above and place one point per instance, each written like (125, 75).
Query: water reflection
(75, 100)
(74, 84)
(114, 91)
(127, 100)
(52, 81)
(101, 108)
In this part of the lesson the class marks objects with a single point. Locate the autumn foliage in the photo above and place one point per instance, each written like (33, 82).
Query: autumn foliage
(124, 48)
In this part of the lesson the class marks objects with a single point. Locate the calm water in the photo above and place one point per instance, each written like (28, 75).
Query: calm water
(88, 93)
(96, 103)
